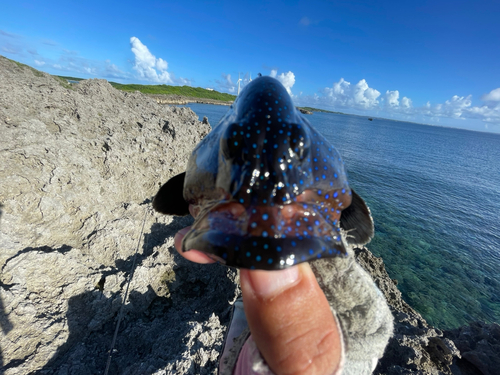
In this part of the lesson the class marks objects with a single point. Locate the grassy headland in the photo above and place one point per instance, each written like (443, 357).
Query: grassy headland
(320, 110)
(184, 91)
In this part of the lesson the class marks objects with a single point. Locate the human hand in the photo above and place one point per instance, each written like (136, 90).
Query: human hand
(289, 317)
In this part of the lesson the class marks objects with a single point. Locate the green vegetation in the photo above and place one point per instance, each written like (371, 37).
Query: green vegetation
(320, 110)
(63, 82)
(71, 78)
(193, 92)
(21, 65)
(187, 91)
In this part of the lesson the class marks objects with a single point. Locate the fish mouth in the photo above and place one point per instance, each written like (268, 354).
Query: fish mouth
(271, 236)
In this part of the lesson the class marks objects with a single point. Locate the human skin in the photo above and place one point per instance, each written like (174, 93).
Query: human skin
(289, 317)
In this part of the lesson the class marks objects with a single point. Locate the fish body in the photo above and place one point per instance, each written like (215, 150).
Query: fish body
(266, 189)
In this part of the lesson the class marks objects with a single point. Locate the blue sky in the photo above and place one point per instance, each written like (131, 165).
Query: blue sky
(435, 62)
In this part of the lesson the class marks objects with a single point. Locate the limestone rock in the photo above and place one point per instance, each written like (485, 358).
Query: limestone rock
(479, 346)
(79, 167)
(415, 348)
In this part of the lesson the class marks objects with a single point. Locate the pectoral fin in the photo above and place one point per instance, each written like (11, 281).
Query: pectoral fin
(170, 200)
(357, 221)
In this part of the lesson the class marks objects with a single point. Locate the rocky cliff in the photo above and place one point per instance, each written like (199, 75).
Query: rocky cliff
(79, 166)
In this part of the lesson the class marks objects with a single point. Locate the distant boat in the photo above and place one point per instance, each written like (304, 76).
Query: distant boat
(369, 118)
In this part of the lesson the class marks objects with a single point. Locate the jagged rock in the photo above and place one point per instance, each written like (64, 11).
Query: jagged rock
(479, 346)
(79, 166)
(304, 111)
(415, 348)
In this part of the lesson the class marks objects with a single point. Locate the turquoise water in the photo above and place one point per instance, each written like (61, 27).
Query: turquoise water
(435, 197)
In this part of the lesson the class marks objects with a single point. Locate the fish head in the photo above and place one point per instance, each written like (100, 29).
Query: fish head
(266, 189)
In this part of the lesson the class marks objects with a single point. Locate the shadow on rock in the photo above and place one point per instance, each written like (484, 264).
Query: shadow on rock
(180, 332)
(5, 323)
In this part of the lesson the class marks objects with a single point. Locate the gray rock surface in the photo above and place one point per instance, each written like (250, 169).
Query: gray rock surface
(479, 345)
(415, 348)
(79, 165)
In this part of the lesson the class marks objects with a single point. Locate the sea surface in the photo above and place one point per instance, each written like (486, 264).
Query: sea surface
(434, 194)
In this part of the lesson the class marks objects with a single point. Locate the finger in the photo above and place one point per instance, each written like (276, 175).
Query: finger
(192, 255)
(291, 322)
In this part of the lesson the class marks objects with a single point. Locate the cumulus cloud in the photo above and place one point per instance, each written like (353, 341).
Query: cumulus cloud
(286, 79)
(364, 99)
(147, 65)
(391, 98)
(39, 63)
(461, 108)
(406, 102)
(493, 96)
(358, 96)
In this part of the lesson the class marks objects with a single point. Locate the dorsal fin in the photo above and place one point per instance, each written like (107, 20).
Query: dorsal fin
(170, 200)
(357, 221)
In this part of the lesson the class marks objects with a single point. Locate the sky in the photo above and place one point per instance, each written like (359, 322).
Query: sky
(433, 62)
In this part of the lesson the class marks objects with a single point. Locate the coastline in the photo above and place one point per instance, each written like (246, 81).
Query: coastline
(69, 224)
(181, 100)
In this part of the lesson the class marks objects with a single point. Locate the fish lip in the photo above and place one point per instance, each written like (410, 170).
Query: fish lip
(257, 252)
(268, 237)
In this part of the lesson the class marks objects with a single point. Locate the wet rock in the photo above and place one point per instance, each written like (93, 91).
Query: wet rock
(415, 348)
(479, 345)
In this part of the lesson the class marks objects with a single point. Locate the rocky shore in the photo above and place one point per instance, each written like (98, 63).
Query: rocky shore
(79, 167)
(182, 100)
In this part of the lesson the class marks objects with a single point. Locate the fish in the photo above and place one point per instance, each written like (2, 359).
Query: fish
(266, 189)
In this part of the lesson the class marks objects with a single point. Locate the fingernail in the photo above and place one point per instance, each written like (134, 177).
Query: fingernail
(268, 284)
(183, 231)
(179, 236)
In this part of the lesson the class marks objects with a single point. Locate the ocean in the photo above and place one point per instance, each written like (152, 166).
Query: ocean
(434, 194)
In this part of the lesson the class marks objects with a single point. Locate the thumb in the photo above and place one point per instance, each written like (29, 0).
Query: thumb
(291, 321)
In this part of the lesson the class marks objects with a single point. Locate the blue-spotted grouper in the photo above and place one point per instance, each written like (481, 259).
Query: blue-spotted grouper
(266, 189)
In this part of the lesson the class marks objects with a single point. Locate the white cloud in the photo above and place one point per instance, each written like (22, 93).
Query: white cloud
(406, 102)
(39, 63)
(90, 71)
(391, 98)
(147, 65)
(286, 79)
(358, 96)
(361, 98)
(493, 96)
(112, 71)
(161, 64)
(226, 84)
